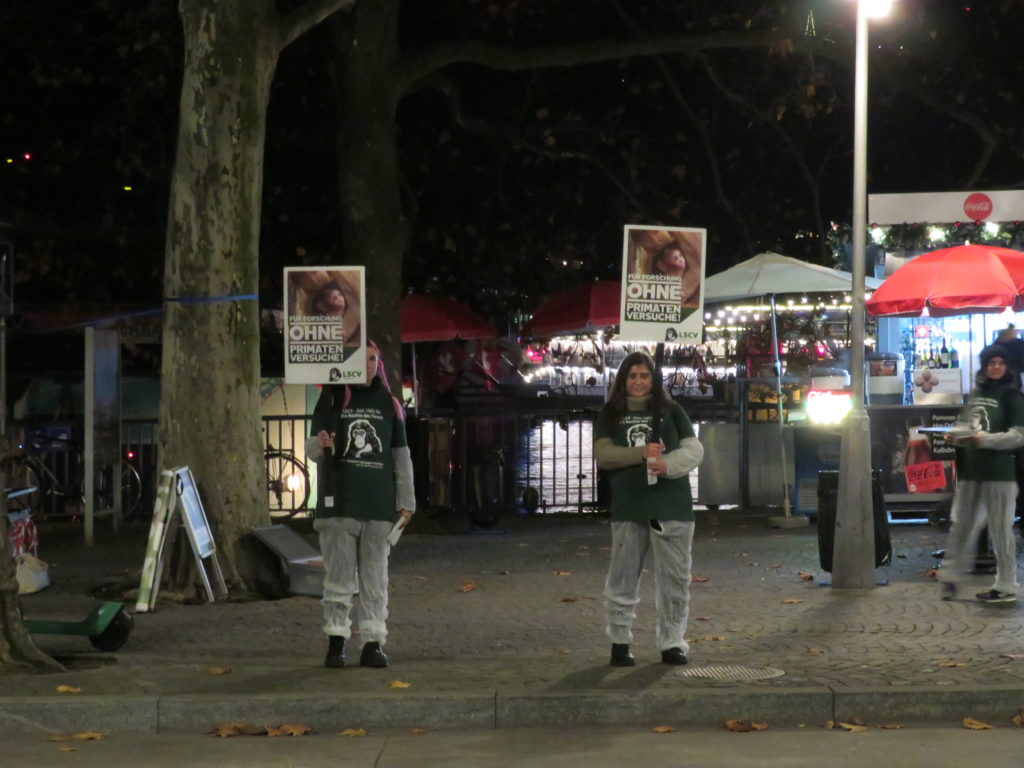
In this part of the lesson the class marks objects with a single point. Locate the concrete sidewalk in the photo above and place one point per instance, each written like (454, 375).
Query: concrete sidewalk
(504, 629)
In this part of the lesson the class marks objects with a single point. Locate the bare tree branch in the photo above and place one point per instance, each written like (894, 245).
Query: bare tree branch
(307, 16)
(709, 150)
(512, 59)
(482, 127)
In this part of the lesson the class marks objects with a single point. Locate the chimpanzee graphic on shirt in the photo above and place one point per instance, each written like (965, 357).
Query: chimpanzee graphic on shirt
(638, 435)
(363, 442)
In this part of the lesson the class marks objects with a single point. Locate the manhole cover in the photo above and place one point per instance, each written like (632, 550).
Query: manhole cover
(730, 672)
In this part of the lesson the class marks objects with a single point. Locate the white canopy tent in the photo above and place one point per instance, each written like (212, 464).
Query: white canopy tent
(772, 274)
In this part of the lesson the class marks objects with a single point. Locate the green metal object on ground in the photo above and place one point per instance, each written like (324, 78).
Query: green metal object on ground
(107, 626)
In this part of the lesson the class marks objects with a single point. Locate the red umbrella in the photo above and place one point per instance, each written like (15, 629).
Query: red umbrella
(582, 309)
(963, 280)
(432, 318)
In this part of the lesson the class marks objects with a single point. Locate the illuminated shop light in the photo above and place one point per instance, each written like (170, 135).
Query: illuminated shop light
(828, 406)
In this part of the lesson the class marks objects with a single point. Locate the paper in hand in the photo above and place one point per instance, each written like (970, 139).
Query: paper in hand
(396, 532)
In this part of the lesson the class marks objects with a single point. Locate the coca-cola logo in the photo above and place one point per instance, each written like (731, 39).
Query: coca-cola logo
(978, 206)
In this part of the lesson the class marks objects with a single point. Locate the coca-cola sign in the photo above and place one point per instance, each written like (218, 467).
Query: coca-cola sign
(978, 206)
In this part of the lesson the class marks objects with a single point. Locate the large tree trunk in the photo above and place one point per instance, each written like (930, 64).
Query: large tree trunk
(210, 405)
(375, 229)
(17, 651)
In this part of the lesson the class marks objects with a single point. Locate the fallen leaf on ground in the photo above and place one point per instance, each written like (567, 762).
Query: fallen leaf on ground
(750, 565)
(417, 731)
(829, 724)
(952, 663)
(932, 574)
(1011, 655)
(975, 725)
(853, 727)
(67, 749)
(902, 556)
(663, 729)
(569, 599)
(813, 651)
(701, 579)
(744, 726)
(703, 618)
(775, 565)
(792, 600)
(68, 689)
(237, 729)
(354, 732)
(219, 670)
(88, 736)
(1018, 719)
(892, 726)
(398, 684)
(739, 554)
(289, 729)
(469, 586)
(806, 576)
(565, 651)
(714, 637)
(562, 573)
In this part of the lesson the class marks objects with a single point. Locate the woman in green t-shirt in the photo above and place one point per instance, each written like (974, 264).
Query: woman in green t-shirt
(357, 438)
(645, 440)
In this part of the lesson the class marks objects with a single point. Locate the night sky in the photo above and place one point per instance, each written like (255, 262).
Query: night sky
(521, 185)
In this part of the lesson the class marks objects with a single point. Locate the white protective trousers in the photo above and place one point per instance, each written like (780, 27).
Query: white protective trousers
(973, 503)
(672, 554)
(355, 555)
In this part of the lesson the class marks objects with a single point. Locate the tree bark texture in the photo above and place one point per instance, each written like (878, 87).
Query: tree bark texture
(210, 404)
(367, 76)
(18, 653)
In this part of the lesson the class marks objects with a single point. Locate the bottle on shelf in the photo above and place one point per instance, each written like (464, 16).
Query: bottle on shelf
(954, 358)
(944, 355)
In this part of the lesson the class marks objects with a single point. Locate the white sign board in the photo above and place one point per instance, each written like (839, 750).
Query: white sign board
(325, 325)
(662, 284)
(938, 386)
(946, 207)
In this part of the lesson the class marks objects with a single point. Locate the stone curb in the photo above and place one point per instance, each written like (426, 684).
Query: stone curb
(807, 706)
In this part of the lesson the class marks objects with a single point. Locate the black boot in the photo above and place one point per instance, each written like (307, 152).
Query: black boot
(673, 656)
(373, 656)
(335, 652)
(621, 656)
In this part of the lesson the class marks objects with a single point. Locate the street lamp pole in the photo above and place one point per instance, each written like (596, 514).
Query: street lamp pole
(853, 553)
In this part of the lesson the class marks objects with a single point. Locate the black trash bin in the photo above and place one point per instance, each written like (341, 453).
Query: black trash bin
(828, 496)
(487, 472)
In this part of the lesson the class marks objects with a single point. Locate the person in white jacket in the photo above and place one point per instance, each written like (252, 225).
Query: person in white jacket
(652, 506)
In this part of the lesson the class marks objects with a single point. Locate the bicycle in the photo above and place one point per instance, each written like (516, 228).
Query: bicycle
(34, 480)
(287, 483)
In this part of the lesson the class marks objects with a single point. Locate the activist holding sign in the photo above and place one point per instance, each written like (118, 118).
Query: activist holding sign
(991, 429)
(357, 438)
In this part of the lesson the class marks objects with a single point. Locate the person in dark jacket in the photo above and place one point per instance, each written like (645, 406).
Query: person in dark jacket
(991, 428)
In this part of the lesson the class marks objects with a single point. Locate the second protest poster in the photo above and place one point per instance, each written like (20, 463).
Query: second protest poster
(325, 325)
(662, 284)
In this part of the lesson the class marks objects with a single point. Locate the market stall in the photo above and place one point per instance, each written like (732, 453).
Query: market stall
(951, 287)
(799, 332)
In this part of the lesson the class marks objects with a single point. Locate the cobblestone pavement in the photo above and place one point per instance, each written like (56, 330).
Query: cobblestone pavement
(518, 609)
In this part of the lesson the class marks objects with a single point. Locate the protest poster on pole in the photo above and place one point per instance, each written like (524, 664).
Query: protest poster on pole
(662, 284)
(325, 325)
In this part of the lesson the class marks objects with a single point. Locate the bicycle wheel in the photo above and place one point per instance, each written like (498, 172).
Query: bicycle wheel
(287, 484)
(22, 481)
(131, 488)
